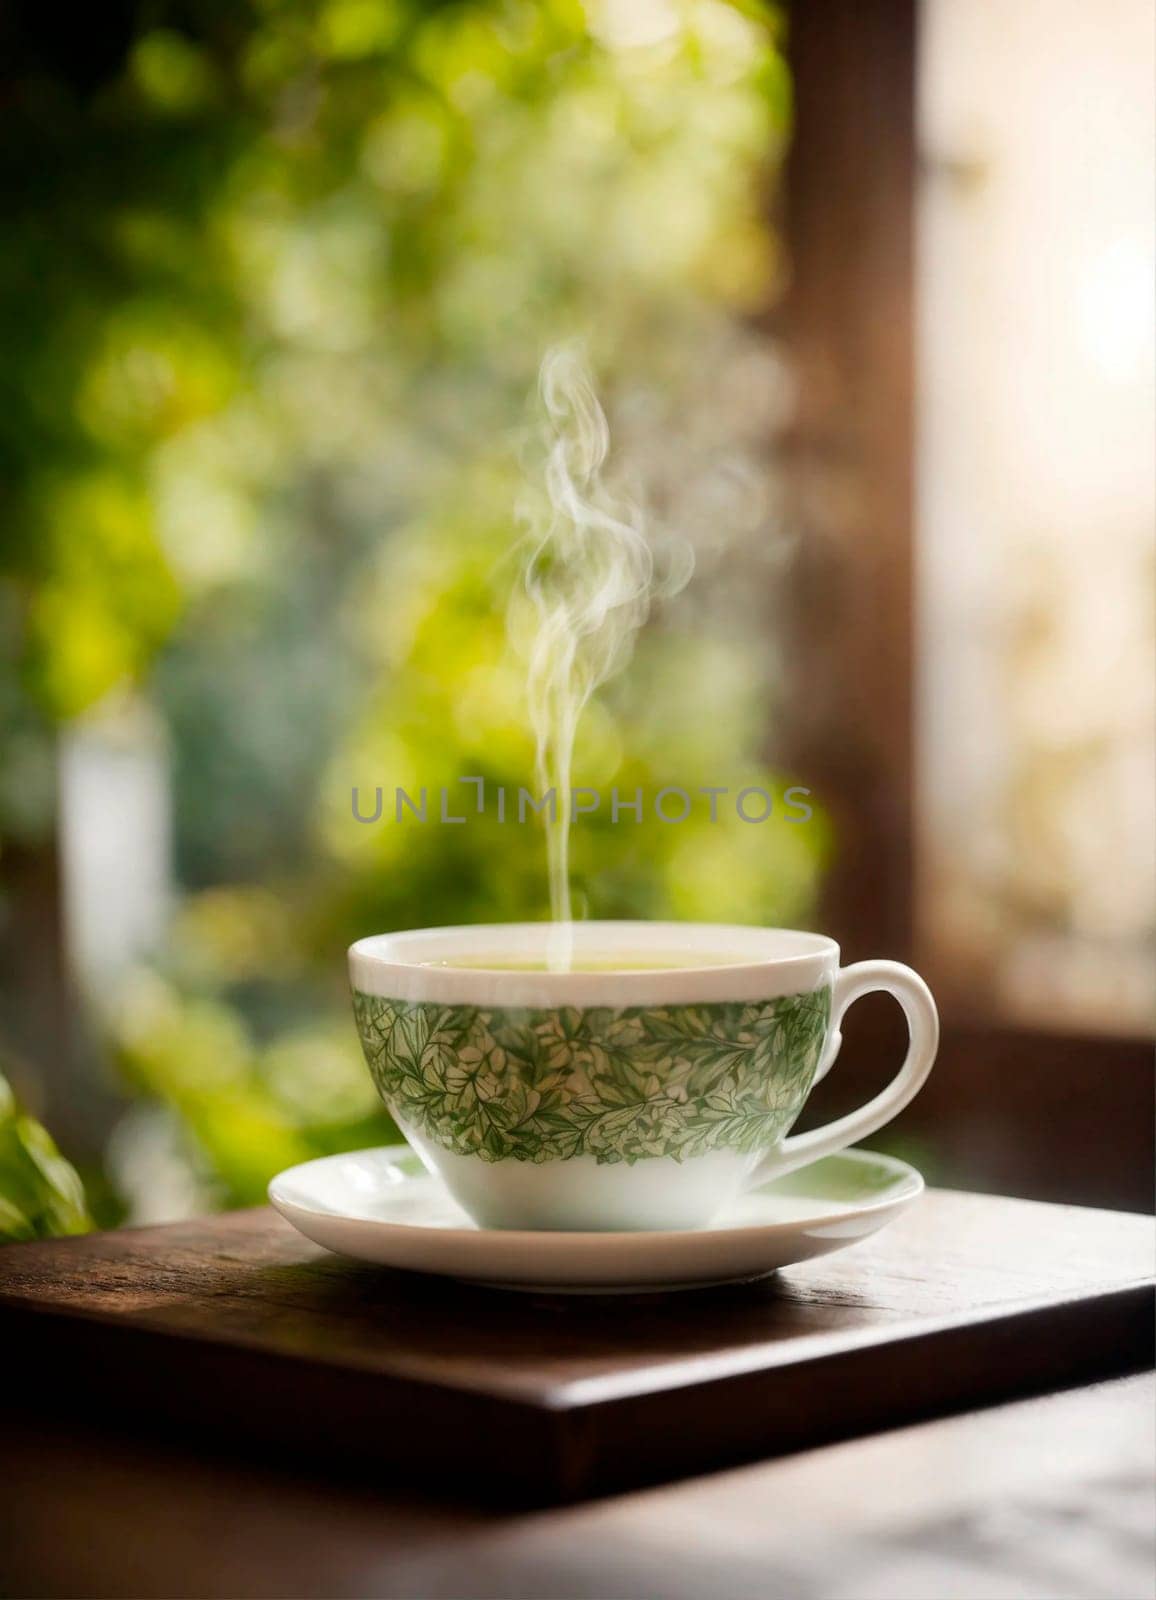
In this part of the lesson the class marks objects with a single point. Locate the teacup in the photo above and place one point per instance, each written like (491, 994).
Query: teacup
(642, 1096)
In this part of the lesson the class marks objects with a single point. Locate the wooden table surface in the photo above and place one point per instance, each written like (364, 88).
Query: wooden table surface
(1047, 1499)
(118, 1347)
(237, 1327)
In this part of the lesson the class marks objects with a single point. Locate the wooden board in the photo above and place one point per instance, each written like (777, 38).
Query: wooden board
(237, 1329)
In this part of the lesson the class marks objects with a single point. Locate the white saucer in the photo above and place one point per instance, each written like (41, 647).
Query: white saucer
(382, 1206)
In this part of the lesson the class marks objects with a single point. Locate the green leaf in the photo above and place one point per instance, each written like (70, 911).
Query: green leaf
(41, 1195)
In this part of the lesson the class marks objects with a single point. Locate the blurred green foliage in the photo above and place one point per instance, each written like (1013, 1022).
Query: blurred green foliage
(40, 1194)
(277, 279)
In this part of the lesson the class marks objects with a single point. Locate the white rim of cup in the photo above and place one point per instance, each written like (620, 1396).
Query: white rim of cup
(769, 962)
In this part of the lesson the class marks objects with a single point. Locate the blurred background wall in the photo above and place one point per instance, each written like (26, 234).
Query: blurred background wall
(867, 287)
(1036, 507)
(969, 217)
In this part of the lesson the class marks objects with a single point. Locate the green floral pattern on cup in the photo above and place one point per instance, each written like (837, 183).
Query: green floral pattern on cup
(620, 1085)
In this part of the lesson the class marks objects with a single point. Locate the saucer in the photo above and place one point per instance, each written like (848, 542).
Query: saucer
(383, 1206)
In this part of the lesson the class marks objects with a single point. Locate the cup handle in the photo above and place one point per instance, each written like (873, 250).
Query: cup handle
(864, 977)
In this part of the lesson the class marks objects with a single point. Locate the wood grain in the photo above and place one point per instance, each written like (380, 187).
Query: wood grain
(236, 1327)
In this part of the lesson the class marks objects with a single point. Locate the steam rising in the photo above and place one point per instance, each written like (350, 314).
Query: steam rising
(590, 574)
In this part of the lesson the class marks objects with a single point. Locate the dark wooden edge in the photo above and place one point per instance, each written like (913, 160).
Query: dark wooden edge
(297, 1411)
(848, 218)
(886, 1384)
(507, 1450)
